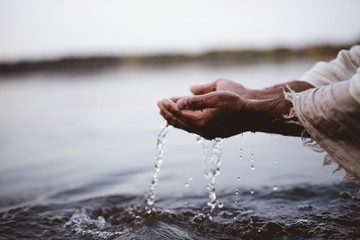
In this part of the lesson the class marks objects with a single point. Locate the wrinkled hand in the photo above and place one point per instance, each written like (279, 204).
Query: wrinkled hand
(225, 108)
(211, 115)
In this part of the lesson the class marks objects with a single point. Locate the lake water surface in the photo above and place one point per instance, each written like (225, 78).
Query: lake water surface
(77, 158)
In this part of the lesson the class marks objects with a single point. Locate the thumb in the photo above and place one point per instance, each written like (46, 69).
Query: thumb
(203, 88)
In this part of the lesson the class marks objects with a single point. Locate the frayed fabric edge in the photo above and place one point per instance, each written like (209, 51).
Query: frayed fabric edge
(308, 141)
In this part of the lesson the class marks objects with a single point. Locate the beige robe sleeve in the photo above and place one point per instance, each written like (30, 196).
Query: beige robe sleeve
(330, 113)
(342, 68)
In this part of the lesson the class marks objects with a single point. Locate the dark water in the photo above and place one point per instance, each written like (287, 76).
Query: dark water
(77, 158)
(295, 212)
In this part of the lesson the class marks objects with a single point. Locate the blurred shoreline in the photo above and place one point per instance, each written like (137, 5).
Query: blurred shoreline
(217, 57)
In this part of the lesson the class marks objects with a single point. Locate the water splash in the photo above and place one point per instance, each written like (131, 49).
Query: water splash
(95, 228)
(160, 145)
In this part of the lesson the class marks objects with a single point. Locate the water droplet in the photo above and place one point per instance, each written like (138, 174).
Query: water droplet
(238, 179)
(252, 191)
(199, 139)
(185, 203)
(275, 187)
(234, 218)
(237, 191)
(241, 147)
(252, 152)
(276, 149)
(220, 205)
(186, 184)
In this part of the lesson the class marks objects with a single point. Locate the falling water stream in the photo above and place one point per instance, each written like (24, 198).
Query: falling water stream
(212, 161)
(160, 145)
(211, 154)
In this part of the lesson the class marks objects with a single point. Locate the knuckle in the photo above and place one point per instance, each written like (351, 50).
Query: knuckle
(216, 98)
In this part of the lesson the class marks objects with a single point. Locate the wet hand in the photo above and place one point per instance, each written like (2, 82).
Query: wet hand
(211, 115)
(224, 114)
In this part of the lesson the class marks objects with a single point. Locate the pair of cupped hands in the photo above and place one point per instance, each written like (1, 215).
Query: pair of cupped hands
(222, 109)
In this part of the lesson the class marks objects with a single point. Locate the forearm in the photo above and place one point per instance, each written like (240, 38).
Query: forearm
(277, 91)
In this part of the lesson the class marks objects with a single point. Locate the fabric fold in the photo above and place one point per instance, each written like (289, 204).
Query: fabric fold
(331, 116)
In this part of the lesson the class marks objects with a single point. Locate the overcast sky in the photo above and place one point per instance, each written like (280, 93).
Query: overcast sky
(36, 29)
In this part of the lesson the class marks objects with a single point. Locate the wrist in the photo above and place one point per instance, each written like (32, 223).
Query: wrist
(277, 91)
(269, 116)
(266, 93)
(269, 109)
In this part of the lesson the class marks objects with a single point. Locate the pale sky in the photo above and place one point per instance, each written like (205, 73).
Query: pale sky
(38, 29)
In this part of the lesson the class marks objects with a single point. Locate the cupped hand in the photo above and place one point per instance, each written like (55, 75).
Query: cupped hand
(211, 115)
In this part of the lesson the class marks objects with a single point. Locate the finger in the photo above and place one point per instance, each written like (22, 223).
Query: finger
(168, 105)
(208, 100)
(176, 121)
(171, 111)
(191, 116)
(171, 119)
(203, 88)
(175, 99)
